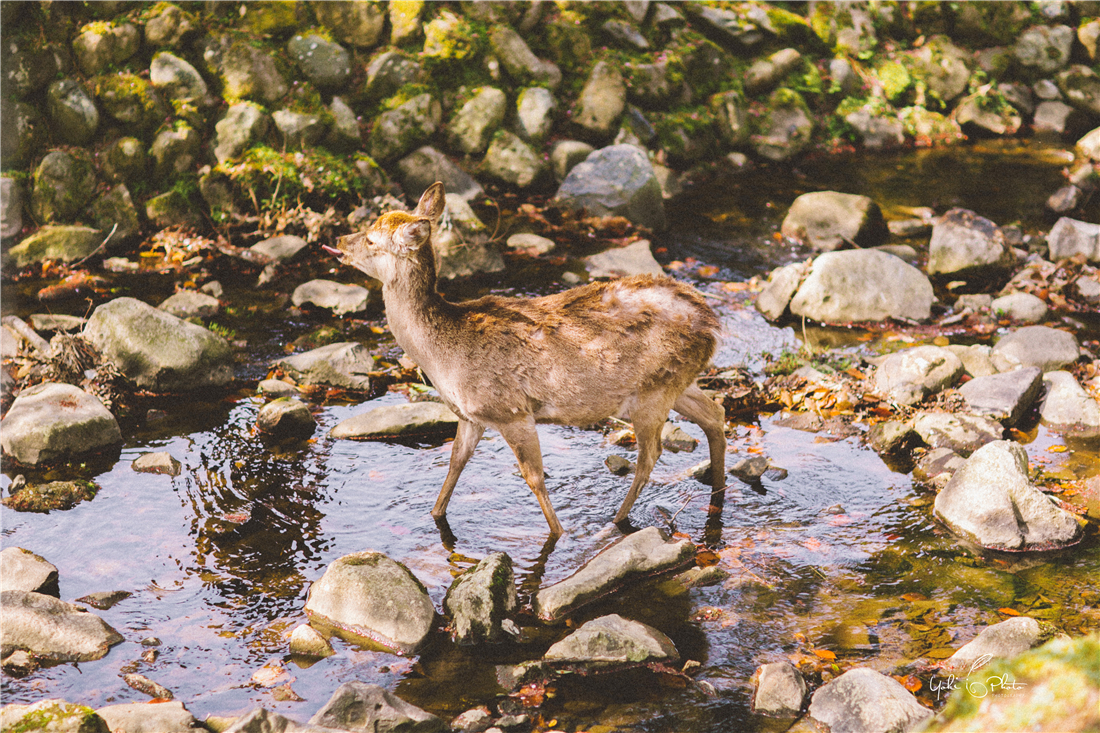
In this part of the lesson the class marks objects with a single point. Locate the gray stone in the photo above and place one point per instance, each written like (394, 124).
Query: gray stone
(298, 129)
(114, 213)
(171, 209)
(980, 114)
(1069, 237)
(55, 422)
(908, 376)
(844, 76)
(480, 599)
(610, 641)
(283, 248)
(876, 131)
(566, 154)
(637, 556)
(276, 388)
(64, 183)
(29, 65)
(1064, 199)
(64, 243)
(1004, 397)
(286, 417)
(890, 436)
(337, 297)
(163, 716)
(666, 16)
(246, 72)
(729, 27)
(306, 641)
(23, 570)
(780, 690)
(388, 421)
(943, 67)
(731, 111)
(177, 79)
(11, 208)
(157, 351)
(345, 133)
(652, 85)
(389, 71)
(1053, 121)
(168, 26)
(243, 123)
(1068, 407)
(62, 717)
(633, 259)
(405, 128)
(125, 160)
(1020, 307)
(624, 34)
(188, 304)
(425, 166)
(601, 102)
(52, 629)
(864, 701)
(473, 125)
(513, 162)
(55, 322)
(366, 596)
(263, 721)
(615, 181)
(962, 434)
(1047, 348)
(518, 60)
(532, 244)
(674, 439)
(346, 364)
(175, 151)
(535, 110)
(990, 502)
(963, 241)
(1044, 48)
(161, 462)
(323, 62)
(826, 220)
(765, 74)
(786, 127)
(782, 284)
(1002, 640)
(848, 286)
(356, 706)
(22, 133)
(72, 111)
(355, 23)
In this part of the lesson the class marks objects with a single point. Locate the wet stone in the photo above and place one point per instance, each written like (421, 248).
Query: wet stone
(158, 462)
(825, 220)
(63, 717)
(963, 434)
(167, 716)
(634, 558)
(361, 707)
(780, 690)
(611, 641)
(480, 599)
(937, 466)
(1048, 348)
(143, 684)
(388, 421)
(621, 466)
(103, 600)
(864, 700)
(286, 417)
(52, 421)
(633, 259)
(276, 388)
(23, 570)
(346, 364)
(1068, 407)
(43, 498)
(674, 438)
(1004, 639)
(308, 642)
(52, 629)
(1004, 397)
(907, 377)
(890, 436)
(749, 469)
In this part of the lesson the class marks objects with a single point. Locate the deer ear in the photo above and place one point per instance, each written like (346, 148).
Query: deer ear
(432, 202)
(411, 236)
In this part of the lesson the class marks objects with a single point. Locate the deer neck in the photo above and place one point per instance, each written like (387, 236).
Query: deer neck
(417, 314)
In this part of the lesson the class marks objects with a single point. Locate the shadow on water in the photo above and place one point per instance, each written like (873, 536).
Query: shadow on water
(219, 558)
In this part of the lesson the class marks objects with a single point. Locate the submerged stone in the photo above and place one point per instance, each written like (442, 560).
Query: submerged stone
(356, 706)
(388, 421)
(611, 641)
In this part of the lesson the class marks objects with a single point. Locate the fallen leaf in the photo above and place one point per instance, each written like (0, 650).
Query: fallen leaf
(1008, 611)
(825, 654)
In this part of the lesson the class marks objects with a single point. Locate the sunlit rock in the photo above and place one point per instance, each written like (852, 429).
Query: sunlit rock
(339, 298)
(388, 421)
(780, 690)
(362, 707)
(1004, 397)
(346, 364)
(63, 717)
(52, 629)
(23, 570)
(286, 417)
(1048, 348)
(862, 285)
(162, 716)
(960, 433)
(611, 641)
(1067, 407)
(862, 699)
(826, 220)
(908, 376)
(52, 422)
(1004, 639)
(480, 599)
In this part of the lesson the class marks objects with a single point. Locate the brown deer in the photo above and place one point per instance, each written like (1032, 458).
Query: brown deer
(630, 348)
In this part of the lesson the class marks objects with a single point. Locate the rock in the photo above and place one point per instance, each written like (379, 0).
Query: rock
(1053, 121)
(51, 716)
(405, 128)
(474, 720)
(846, 286)
(624, 34)
(158, 462)
(963, 241)
(783, 283)
(890, 437)
(300, 130)
(389, 71)
(52, 629)
(306, 641)
(615, 181)
(474, 124)
(987, 114)
(177, 79)
(162, 716)
(11, 208)
(286, 417)
(1047, 348)
(480, 599)
(188, 304)
(673, 438)
(357, 24)
(72, 111)
(621, 467)
(731, 112)
(246, 72)
(612, 641)
(22, 133)
(1045, 49)
(368, 596)
(766, 74)
(23, 570)
(728, 27)
(864, 701)
(908, 376)
(337, 297)
(519, 62)
(356, 706)
(345, 364)
(276, 388)
(1067, 407)
(1053, 688)
(531, 244)
(143, 684)
(535, 110)
(566, 154)
(634, 259)
(64, 183)
(1069, 237)
(1066, 198)
(961, 433)
(1005, 639)
(131, 100)
(54, 422)
(125, 160)
(105, 599)
(1089, 145)
(462, 244)
(157, 351)
(990, 502)
(826, 220)
(1003, 397)
(263, 721)
(168, 26)
(325, 63)
(388, 421)
(1020, 307)
(876, 131)
(171, 209)
(780, 690)
(115, 212)
(283, 248)
(55, 322)
(786, 127)
(640, 555)
(513, 162)
(427, 165)
(44, 498)
(345, 134)
(65, 243)
(601, 102)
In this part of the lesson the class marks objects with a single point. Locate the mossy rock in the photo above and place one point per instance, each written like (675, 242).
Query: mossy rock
(64, 183)
(131, 100)
(171, 209)
(271, 18)
(65, 243)
(51, 715)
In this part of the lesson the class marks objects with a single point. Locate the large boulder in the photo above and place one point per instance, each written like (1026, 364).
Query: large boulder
(633, 558)
(367, 597)
(1001, 640)
(612, 641)
(991, 502)
(865, 701)
(962, 241)
(54, 422)
(908, 376)
(615, 181)
(52, 629)
(480, 599)
(1048, 348)
(356, 706)
(390, 421)
(850, 285)
(157, 351)
(64, 243)
(826, 220)
(346, 364)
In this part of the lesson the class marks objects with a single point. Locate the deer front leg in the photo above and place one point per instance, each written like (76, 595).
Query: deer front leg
(465, 441)
(523, 439)
(647, 430)
(707, 414)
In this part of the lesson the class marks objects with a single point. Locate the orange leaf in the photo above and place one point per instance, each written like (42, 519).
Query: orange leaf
(800, 637)
(913, 597)
(1057, 448)
(706, 558)
(825, 654)
(1008, 611)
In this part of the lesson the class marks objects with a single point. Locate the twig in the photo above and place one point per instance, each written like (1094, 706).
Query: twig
(101, 246)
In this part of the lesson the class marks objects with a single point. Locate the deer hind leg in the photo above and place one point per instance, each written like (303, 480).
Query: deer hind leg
(465, 441)
(523, 439)
(648, 418)
(707, 414)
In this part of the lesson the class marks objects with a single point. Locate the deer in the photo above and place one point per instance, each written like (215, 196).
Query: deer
(630, 348)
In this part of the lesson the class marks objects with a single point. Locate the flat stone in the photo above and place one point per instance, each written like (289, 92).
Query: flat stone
(337, 297)
(52, 629)
(1003, 397)
(53, 422)
(633, 259)
(1048, 348)
(356, 706)
(346, 364)
(159, 462)
(23, 570)
(963, 434)
(390, 421)
(286, 417)
(162, 716)
(864, 701)
(610, 641)
(908, 376)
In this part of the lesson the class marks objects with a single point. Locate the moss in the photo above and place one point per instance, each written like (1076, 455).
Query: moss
(895, 79)
(59, 715)
(277, 179)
